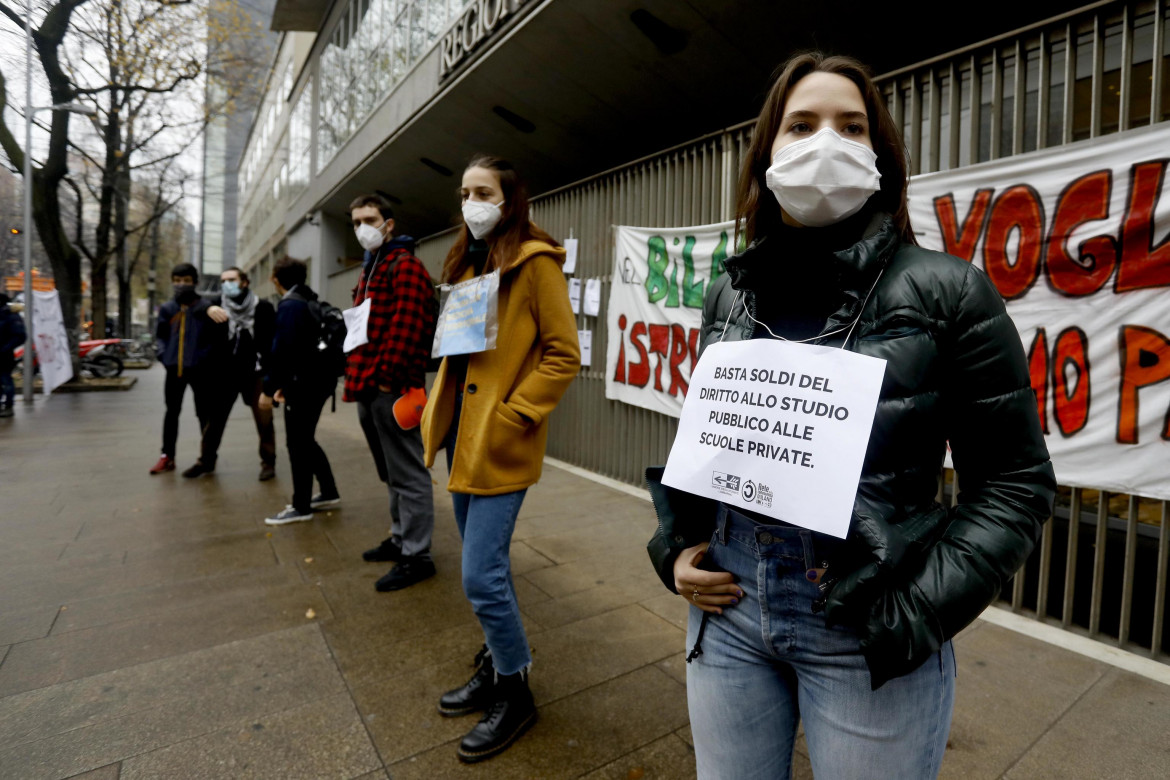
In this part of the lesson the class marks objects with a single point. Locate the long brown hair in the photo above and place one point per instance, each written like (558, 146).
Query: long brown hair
(757, 212)
(514, 228)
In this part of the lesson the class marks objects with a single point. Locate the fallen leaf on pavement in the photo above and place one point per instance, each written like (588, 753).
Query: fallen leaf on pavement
(310, 613)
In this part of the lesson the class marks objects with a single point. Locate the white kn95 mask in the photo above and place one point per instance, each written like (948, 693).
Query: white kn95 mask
(369, 236)
(481, 217)
(823, 179)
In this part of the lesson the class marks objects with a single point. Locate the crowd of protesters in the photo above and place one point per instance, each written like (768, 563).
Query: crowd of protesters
(489, 408)
(850, 636)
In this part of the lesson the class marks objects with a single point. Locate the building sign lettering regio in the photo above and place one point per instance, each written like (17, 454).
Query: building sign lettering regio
(479, 20)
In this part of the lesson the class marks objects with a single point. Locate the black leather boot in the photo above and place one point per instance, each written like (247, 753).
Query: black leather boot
(510, 715)
(476, 694)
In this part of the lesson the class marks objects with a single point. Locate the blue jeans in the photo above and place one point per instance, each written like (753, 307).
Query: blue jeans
(485, 525)
(770, 662)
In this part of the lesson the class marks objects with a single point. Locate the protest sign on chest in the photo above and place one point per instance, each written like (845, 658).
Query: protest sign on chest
(469, 317)
(778, 428)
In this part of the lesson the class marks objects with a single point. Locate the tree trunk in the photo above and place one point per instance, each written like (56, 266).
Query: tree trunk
(112, 138)
(121, 215)
(121, 262)
(153, 284)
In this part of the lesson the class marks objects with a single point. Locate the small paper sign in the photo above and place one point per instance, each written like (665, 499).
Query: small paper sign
(592, 297)
(357, 322)
(469, 317)
(570, 255)
(585, 339)
(778, 428)
(575, 295)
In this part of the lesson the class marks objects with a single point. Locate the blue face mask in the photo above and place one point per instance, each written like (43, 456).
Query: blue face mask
(230, 289)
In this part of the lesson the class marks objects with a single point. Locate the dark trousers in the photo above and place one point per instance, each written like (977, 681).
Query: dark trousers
(209, 395)
(7, 388)
(398, 456)
(302, 412)
(250, 391)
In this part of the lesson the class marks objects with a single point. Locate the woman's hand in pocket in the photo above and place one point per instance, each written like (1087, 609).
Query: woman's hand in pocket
(710, 591)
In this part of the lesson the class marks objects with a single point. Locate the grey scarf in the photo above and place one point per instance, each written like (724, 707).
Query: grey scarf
(242, 314)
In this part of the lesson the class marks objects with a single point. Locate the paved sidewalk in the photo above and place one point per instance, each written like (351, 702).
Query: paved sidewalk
(154, 627)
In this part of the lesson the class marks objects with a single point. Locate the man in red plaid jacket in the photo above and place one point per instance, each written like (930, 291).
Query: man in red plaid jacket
(385, 376)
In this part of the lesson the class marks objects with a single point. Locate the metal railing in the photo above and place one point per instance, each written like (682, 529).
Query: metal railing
(1110, 585)
(1097, 70)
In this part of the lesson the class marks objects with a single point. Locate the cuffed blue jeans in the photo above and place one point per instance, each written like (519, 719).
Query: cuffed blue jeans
(769, 662)
(485, 525)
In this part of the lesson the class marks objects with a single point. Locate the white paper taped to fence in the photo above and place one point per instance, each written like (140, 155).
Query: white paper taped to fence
(591, 304)
(655, 308)
(778, 428)
(1076, 241)
(575, 295)
(52, 344)
(585, 339)
(570, 245)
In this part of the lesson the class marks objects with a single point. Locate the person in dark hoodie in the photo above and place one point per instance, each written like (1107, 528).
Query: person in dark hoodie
(296, 379)
(12, 335)
(385, 376)
(192, 346)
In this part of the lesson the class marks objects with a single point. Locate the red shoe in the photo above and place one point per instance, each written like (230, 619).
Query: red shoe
(164, 464)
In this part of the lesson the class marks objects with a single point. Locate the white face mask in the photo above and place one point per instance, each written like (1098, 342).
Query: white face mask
(369, 237)
(824, 179)
(481, 217)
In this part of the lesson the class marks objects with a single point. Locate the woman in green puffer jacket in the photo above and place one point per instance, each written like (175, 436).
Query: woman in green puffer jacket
(853, 636)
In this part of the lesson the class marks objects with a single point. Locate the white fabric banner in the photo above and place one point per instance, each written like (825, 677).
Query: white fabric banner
(778, 428)
(660, 279)
(52, 343)
(1076, 240)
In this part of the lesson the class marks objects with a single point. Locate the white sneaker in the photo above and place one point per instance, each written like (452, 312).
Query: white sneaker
(321, 501)
(286, 516)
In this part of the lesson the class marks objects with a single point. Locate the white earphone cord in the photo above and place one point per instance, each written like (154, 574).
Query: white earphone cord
(848, 327)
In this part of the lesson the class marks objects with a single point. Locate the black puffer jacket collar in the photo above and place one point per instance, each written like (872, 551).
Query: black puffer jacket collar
(855, 266)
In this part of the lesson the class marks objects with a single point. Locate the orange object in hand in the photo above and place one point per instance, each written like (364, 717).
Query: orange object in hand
(408, 409)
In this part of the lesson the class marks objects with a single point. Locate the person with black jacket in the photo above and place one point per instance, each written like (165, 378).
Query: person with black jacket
(852, 636)
(251, 323)
(192, 346)
(12, 335)
(296, 378)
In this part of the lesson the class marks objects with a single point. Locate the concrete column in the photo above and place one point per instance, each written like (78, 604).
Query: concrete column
(319, 243)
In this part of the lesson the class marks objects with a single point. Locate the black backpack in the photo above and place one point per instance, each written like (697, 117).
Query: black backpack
(330, 338)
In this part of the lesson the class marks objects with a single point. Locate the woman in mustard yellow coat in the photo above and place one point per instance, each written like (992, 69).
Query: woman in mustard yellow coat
(490, 411)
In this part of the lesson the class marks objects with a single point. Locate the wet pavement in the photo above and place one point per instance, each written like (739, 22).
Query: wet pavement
(154, 627)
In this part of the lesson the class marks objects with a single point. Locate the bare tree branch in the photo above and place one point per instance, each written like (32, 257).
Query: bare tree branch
(7, 140)
(14, 16)
(131, 88)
